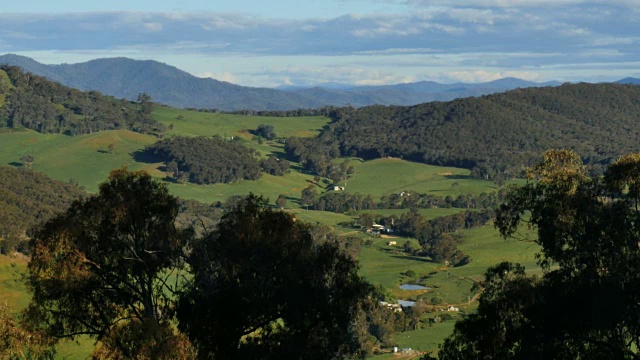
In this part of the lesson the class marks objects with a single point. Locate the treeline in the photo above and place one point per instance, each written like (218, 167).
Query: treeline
(33, 102)
(328, 111)
(495, 136)
(204, 160)
(28, 198)
(340, 202)
(412, 199)
(415, 225)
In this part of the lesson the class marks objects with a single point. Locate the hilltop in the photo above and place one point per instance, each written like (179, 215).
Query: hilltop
(494, 135)
(126, 78)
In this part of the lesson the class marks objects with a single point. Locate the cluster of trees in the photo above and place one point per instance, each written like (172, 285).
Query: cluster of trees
(496, 135)
(413, 224)
(26, 199)
(327, 111)
(412, 199)
(342, 202)
(266, 131)
(260, 285)
(585, 305)
(314, 154)
(437, 237)
(275, 166)
(204, 160)
(36, 103)
(339, 202)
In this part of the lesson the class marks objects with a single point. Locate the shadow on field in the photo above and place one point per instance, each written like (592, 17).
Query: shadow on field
(414, 258)
(458, 177)
(16, 164)
(146, 156)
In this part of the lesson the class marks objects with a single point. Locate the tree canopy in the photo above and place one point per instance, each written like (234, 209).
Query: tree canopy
(33, 102)
(207, 160)
(262, 288)
(495, 136)
(102, 268)
(586, 303)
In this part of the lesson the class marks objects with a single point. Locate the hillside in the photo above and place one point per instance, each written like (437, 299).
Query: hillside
(33, 102)
(28, 198)
(126, 78)
(495, 135)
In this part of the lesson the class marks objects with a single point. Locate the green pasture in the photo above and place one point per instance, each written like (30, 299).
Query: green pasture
(207, 124)
(426, 339)
(83, 158)
(487, 248)
(386, 176)
(13, 291)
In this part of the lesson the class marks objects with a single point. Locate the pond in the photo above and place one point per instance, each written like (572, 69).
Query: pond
(406, 303)
(413, 287)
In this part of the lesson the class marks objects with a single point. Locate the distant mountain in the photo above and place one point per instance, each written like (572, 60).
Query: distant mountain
(126, 78)
(629, 80)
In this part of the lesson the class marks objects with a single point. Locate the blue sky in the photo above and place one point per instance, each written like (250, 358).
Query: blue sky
(365, 42)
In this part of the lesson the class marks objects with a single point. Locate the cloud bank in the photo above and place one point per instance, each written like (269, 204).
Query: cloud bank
(473, 40)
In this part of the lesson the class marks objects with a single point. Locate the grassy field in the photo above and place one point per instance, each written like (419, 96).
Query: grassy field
(13, 291)
(86, 160)
(83, 158)
(384, 176)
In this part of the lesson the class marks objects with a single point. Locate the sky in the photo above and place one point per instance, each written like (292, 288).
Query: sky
(321, 42)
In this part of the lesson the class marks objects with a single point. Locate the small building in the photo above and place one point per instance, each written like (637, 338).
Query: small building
(338, 188)
(452, 308)
(390, 243)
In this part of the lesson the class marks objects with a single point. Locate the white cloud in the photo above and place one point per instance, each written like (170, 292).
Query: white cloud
(153, 26)
(477, 76)
(223, 76)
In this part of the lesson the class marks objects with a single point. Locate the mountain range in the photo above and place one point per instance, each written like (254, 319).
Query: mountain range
(126, 78)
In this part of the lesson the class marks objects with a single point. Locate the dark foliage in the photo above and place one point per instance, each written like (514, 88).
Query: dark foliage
(102, 267)
(584, 307)
(275, 166)
(266, 131)
(36, 103)
(207, 160)
(28, 198)
(496, 136)
(264, 289)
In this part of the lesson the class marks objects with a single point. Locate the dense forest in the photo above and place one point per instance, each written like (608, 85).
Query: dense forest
(203, 160)
(26, 199)
(33, 102)
(495, 136)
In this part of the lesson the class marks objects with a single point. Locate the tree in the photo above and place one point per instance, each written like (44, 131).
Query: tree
(27, 160)
(309, 195)
(586, 306)
(16, 342)
(262, 288)
(104, 265)
(111, 148)
(281, 201)
(266, 131)
(146, 105)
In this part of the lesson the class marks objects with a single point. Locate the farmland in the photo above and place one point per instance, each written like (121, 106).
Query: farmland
(88, 159)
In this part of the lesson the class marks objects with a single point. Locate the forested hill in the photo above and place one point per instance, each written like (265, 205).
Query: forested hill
(26, 199)
(494, 135)
(33, 102)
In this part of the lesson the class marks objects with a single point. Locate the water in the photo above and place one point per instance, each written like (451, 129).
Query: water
(406, 303)
(413, 287)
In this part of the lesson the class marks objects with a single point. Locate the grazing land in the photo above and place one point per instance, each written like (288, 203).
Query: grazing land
(88, 159)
